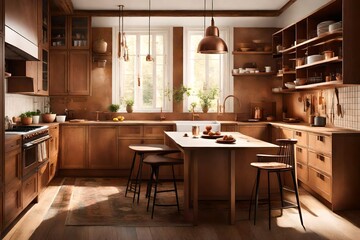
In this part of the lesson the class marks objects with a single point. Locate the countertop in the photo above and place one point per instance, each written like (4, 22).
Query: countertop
(296, 126)
(242, 141)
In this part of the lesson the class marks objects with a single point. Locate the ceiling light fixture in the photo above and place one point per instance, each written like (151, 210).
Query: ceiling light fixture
(211, 43)
(149, 57)
(123, 48)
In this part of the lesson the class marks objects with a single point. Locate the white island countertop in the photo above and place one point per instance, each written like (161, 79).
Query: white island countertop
(242, 141)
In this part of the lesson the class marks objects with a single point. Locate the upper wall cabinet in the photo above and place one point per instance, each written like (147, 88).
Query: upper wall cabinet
(70, 32)
(321, 50)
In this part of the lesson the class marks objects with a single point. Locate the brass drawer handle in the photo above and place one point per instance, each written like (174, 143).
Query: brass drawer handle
(320, 157)
(298, 134)
(299, 149)
(299, 165)
(322, 177)
(320, 138)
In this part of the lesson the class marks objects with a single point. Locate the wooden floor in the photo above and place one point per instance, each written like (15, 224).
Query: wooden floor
(40, 223)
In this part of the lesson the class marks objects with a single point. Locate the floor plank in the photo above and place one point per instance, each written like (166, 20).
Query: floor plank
(46, 220)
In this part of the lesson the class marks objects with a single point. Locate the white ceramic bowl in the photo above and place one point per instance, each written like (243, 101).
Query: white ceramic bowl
(60, 118)
(314, 58)
(290, 85)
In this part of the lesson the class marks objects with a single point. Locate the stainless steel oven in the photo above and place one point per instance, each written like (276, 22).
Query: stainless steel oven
(35, 146)
(33, 154)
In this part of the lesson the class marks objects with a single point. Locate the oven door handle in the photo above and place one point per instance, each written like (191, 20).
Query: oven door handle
(36, 141)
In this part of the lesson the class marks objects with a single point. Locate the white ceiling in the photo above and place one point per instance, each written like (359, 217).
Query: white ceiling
(179, 4)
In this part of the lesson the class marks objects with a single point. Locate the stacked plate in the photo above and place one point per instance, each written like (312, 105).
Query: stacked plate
(323, 27)
(335, 27)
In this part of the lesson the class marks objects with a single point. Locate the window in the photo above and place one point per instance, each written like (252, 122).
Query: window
(144, 82)
(205, 71)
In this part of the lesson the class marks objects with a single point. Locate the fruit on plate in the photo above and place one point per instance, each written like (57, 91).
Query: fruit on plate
(208, 128)
(218, 133)
(205, 132)
(211, 133)
(228, 138)
(119, 118)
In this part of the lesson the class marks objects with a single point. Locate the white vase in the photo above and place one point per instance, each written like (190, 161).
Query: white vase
(35, 119)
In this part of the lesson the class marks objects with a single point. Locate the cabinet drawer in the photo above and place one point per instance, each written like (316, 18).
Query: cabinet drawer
(301, 154)
(156, 131)
(302, 172)
(12, 166)
(320, 161)
(320, 183)
(130, 131)
(301, 136)
(29, 189)
(320, 143)
(12, 143)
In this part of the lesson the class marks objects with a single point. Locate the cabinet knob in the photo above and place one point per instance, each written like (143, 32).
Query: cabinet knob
(319, 175)
(299, 149)
(320, 138)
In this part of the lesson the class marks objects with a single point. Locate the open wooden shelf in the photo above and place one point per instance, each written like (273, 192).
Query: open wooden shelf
(334, 59)
(255, 74)
(320, 85)
(251, 53)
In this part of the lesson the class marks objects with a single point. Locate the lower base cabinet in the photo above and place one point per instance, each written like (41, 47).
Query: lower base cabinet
(29, 189)
(12, 203)
(43, 175)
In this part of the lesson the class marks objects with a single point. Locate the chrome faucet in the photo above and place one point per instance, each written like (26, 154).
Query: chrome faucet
(223, 106)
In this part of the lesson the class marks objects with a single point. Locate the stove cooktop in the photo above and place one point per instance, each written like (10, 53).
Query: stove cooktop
(24, 129)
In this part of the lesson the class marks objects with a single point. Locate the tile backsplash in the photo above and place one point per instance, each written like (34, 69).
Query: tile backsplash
(15, 104)
(349, 99)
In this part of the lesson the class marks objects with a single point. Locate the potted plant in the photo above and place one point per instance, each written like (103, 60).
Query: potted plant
(206, 98)
(48, 117)
(26, 118)
(129, 103)
(36, 116)
(114, 107)
(179, 93)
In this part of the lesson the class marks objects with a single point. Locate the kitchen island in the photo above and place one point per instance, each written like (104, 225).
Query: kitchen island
(222, 168)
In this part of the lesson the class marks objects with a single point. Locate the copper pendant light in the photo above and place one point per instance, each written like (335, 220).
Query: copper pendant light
(211, 43)
(149, 57)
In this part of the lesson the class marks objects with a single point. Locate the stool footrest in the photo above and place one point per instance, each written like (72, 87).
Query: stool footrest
(166, 205)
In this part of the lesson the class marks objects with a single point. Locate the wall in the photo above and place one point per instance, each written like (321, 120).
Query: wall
(15, 104)
(349, 99)
(298, 10)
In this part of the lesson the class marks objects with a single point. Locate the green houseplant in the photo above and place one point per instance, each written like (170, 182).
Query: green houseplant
(179, 93)
(26, 118)
(114, 107)
(129, 103)
(206, 97)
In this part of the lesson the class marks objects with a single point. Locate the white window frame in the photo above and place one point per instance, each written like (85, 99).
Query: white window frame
(117, 65)
(227, 85)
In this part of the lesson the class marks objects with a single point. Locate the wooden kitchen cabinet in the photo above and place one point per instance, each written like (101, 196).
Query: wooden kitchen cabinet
(12, 179)
(69, 72)
(29, 189)
(300, 40)
(73, 147)
(53, 150)
(256, 131)
(327, 165)
(43, 176)
(225, 127)
(103, 147)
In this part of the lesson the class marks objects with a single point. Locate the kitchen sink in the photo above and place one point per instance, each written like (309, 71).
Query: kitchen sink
(185, 126)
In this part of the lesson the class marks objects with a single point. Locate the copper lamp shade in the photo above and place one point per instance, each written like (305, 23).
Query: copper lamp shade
(212, 43)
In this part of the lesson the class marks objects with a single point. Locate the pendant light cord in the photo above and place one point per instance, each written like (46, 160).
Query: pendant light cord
(204, 16)
(149, 24)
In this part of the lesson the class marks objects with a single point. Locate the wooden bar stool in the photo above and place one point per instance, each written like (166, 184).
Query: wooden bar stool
(134, 184)
(282, 162)
(156, 161)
